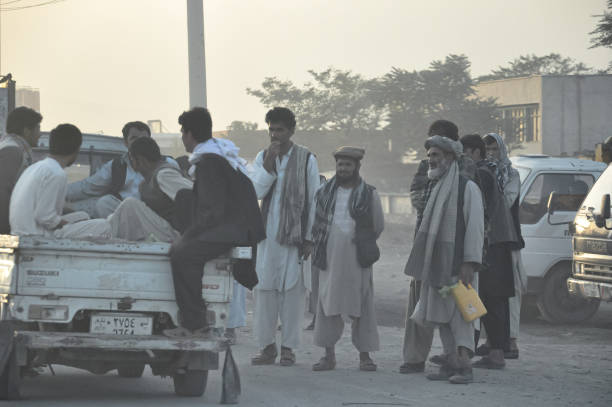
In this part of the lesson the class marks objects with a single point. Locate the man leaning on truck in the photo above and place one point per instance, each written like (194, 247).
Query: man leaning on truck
(225, 214)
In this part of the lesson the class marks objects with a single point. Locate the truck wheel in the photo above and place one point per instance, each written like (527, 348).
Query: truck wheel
(10, 380)
(557, 305)
(133, 371)
(190, 384)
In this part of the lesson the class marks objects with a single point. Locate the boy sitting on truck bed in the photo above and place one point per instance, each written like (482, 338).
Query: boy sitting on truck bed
(39, 196)
(155, 217)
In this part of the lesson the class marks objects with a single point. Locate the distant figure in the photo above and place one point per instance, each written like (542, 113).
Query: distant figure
(23, 132)
(349, 219)
(101, 193)
(447, 249)
(286, 178)
(155, 216)
(39, 195)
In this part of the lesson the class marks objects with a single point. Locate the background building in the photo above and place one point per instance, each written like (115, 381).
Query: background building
(29, 97)
(554, 115)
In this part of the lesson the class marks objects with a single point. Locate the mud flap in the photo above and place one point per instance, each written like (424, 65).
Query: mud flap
(231, 379)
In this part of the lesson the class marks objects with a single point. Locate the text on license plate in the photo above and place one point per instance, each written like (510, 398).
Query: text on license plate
(121, 324)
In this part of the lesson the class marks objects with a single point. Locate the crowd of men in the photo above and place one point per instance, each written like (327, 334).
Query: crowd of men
(309, 234)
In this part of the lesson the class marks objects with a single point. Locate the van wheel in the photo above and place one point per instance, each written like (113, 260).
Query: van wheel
(133, 371)
(557, 305)
(10, 380)
(190, 384)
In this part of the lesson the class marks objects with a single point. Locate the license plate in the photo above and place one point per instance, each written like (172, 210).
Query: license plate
(121, 324)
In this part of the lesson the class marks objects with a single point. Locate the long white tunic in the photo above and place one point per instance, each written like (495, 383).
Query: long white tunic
(37, 203)
(345, 284)
(279, 267)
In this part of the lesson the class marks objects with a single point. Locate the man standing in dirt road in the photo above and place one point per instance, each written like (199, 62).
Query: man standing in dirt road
(348, 221)
(286, 178)
(447, 250)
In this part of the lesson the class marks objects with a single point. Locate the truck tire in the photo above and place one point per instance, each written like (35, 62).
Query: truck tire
(134, 371)
(190, 384)
(10, 380)
(557, 305)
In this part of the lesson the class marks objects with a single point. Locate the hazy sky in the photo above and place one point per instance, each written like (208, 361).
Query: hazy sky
(101, 63)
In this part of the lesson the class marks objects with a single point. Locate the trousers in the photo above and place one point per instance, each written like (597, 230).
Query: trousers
(187, 258)
(496, 320)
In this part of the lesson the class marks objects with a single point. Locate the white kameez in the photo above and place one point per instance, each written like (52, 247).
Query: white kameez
(282, 275)
(278, 266)
(346, 289)
(37, 203)
(432, 308)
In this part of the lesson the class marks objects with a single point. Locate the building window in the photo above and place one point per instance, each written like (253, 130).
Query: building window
(520, 124)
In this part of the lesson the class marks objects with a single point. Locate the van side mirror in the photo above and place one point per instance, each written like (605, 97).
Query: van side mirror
(553, 204)
(605, 206)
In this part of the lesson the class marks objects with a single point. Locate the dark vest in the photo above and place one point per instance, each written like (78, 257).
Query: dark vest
(152, 195)
(460, 233)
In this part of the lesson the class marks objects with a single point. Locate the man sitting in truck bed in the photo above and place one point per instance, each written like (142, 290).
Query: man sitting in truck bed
(101, 193)
(38, 198)
(225, 215)
(153, 218)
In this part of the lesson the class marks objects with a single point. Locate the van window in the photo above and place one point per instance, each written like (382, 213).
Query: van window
(523, 173)
(602, 186)
(572, 188)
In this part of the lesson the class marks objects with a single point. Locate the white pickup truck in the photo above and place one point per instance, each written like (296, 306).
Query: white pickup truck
(101, 306)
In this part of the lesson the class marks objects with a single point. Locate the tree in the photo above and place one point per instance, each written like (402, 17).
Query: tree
(414, 99)
(527, 65)
(334, 100)
(602, 34)
(238, 126)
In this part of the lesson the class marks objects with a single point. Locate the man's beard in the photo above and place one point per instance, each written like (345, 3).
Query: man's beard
(348, 179)
(437, 173)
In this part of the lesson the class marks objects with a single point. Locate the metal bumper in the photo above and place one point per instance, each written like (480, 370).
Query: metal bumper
(590, 289)
(50, 340)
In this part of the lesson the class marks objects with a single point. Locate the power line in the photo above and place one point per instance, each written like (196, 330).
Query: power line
(10, 2)
(15, 8)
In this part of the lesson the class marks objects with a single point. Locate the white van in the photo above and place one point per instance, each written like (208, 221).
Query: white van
(547, 255)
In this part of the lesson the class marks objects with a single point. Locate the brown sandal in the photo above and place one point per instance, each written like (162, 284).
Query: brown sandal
(324, 364)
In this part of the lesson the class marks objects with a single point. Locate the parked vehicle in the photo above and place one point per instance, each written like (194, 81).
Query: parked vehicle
(592, 272)
(547, 255)
(103, 306)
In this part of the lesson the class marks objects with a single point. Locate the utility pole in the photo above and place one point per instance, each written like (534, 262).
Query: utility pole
(197, 64)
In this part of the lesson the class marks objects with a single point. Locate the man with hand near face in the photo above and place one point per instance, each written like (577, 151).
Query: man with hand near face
(348, 221)
(447, 249)
(286, 178)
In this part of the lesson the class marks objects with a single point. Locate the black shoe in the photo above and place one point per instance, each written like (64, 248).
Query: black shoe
(439, 360)
(408, 368)
(482, 350)
(445, 373)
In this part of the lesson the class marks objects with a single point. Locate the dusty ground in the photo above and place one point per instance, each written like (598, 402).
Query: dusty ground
(559, 366)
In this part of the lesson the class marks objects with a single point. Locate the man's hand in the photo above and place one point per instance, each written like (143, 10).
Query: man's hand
(305, 250)
(272, 152)
(466, 274)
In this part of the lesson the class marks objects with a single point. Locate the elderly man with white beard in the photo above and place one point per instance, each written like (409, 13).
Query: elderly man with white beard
(447, 249)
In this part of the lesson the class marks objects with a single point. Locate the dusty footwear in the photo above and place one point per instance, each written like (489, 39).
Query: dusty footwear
(511, 354)
(482, 350)
(266, 357)
(439, 360)
(487, 363)
(408, 368)
(443, 374)
(324, 364)
(462, 376)
(367, 365)
(287, 357)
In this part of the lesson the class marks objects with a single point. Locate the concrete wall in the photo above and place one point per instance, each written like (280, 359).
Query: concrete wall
(576, 112)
